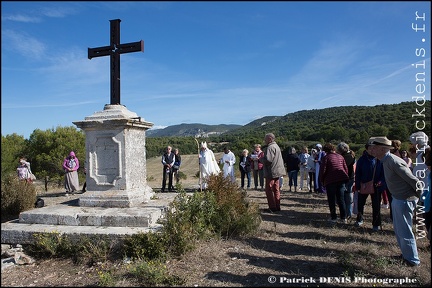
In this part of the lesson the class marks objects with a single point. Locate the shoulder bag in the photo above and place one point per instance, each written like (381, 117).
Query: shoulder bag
(368, 187)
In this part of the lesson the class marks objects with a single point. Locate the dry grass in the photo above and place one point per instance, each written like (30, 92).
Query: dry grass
(297, 246)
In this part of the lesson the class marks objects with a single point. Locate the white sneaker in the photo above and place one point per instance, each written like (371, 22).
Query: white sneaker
(386, 206)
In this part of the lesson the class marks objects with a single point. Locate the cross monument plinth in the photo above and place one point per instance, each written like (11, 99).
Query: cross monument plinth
(116, 158)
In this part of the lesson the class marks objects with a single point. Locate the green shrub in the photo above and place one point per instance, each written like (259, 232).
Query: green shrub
(145, 246)
(106, 279)
(151, 273)
(16, 196)
(95, 248)
(221, 210)
(188, 219)
(52, 244)
(235, 215)
(88, 249)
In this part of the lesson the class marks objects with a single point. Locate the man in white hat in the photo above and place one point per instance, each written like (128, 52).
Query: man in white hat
(403, 186)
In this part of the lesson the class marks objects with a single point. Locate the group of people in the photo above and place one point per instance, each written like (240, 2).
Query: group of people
(171, 161)
(249, 166)
(386, 173)
(343, 179)
(70, 166)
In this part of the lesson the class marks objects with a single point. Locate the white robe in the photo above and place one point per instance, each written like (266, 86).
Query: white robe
(208, 164)
(228, 160)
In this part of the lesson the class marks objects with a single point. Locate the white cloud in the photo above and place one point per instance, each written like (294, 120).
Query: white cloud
(24, 44)
(21, 18)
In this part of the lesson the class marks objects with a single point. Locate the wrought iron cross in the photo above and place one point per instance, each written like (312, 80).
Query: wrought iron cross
(114, 51)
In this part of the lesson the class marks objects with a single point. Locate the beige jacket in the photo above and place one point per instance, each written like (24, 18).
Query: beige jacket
(273, 162)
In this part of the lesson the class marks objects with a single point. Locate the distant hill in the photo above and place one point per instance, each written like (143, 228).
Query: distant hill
(344, 123)
(194, 130)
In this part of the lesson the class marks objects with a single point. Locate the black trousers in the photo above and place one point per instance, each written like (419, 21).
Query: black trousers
(376, 207)
(164, 178)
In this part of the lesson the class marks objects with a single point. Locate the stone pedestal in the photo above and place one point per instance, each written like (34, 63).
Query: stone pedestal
(116, 158)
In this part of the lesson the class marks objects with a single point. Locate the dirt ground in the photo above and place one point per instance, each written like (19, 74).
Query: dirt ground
(294, 247)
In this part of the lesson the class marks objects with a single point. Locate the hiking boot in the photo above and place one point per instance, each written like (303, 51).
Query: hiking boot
(333, 221)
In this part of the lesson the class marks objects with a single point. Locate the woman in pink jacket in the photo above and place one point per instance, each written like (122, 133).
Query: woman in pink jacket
(71, 166)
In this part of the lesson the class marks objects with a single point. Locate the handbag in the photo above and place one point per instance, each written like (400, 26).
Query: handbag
(368, 187)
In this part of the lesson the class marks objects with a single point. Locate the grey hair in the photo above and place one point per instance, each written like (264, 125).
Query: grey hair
(342, 147)
(270, 136)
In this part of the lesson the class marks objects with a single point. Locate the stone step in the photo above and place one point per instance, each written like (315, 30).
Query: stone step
(14, 232)
(73, 220)
(143, 216)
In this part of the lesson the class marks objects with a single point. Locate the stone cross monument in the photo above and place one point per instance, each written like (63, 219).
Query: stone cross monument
(115, 141)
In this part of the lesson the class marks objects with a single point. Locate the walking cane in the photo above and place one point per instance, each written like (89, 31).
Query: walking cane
(200, 183)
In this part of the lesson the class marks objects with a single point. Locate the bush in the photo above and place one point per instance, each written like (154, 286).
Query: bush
(16, 196)
(154, 273)
(144, 246)
(51, 244)
(221, 210)
(88, 249)
(234, 215)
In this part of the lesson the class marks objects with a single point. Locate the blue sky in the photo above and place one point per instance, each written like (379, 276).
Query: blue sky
(207, 62)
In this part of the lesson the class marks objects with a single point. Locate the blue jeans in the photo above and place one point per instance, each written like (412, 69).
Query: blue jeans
(348, 196)
(292, 176)
(242, 178)
(335, 193)
(403, 211)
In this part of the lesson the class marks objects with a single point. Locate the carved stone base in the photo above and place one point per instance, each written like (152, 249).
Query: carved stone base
(116, 198)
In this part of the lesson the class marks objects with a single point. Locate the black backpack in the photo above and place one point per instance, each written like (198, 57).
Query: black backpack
(39, 203)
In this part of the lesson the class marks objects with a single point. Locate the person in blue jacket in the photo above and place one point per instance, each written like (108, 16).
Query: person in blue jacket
(367, 168)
